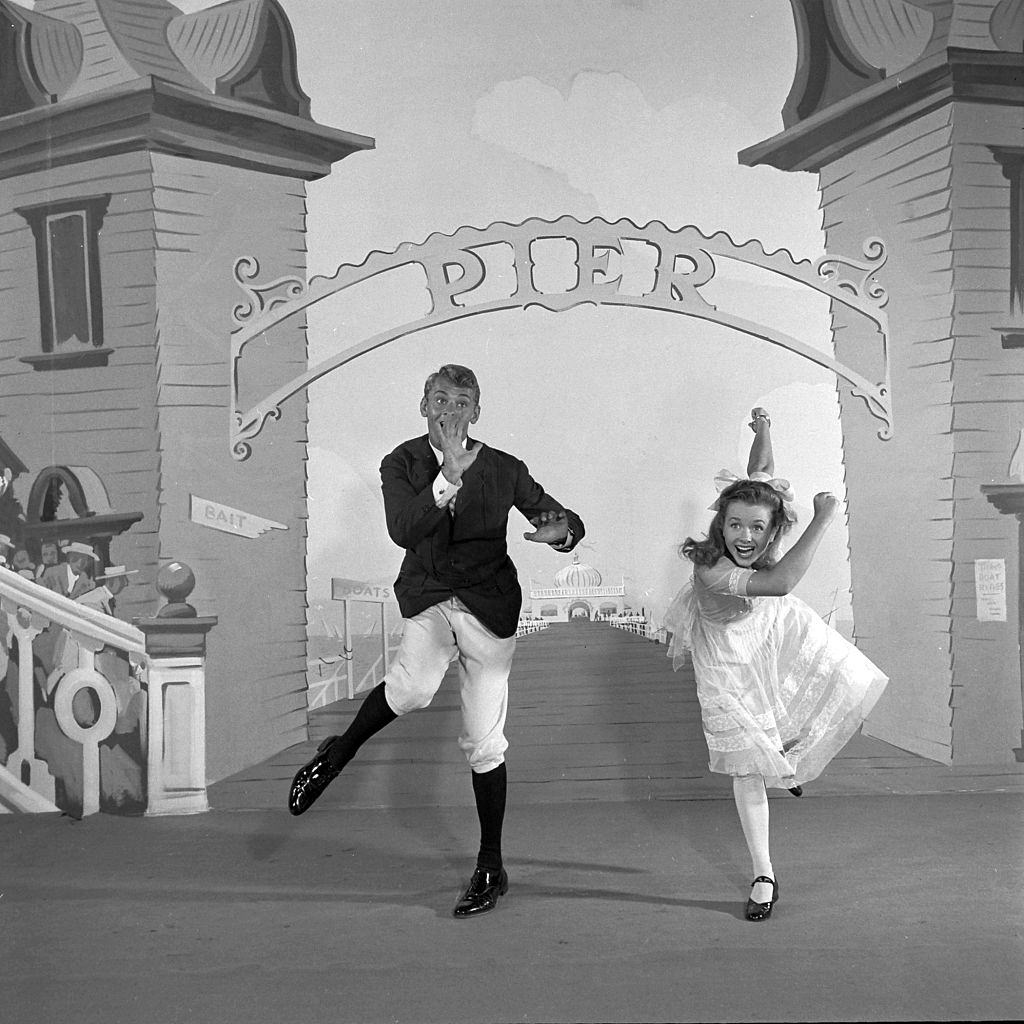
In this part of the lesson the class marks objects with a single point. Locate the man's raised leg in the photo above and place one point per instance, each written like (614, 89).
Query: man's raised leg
(413, 678)
(336, 751)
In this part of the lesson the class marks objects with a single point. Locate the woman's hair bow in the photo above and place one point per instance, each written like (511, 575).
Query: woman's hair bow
(726, 477)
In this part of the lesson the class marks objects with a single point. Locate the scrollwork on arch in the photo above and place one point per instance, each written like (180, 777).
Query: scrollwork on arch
(864, 283)
(676, 265)
(265, 297)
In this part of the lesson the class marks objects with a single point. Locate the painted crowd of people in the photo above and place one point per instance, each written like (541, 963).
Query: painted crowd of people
(71, 569)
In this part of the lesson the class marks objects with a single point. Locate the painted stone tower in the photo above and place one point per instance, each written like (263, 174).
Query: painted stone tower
(911, 113)
(142, 150)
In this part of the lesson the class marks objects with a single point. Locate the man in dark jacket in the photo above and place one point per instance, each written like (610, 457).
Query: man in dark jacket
(447, 500)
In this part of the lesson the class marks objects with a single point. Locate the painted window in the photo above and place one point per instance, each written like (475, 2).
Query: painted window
(68, 274)
(1012, 163)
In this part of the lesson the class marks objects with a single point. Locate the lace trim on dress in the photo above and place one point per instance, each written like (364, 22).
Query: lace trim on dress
(737, 582)
(679, 621)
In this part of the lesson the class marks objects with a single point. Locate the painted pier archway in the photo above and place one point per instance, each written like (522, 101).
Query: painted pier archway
(475, 271)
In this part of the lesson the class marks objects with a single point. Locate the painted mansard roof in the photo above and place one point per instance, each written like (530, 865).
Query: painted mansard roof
(848, 45)
(858, 61)
(67, 49)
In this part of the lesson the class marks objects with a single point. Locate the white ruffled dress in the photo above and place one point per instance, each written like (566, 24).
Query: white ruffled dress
(781, 692)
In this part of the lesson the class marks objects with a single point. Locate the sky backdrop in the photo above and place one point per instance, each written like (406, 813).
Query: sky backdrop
(503, 110)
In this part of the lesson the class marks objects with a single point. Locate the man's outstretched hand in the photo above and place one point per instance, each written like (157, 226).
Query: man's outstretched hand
(551, 528)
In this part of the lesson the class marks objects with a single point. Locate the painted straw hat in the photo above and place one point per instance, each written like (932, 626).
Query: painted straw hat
(80, 549)
(114, 571)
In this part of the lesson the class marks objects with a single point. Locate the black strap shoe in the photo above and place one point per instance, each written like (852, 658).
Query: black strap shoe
(482, 893)
(797, 790)
(762, 911)
(312, 779)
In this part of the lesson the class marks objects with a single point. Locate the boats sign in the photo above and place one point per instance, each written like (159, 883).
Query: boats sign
(358, 590)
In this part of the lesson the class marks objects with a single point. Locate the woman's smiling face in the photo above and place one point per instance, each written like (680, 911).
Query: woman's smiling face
(747, 531)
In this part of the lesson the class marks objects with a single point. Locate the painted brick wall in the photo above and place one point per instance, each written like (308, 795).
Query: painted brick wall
(154, 423)
(918, 520)
(206, 216)
(901, 491)
(100, 417)
(988, 413)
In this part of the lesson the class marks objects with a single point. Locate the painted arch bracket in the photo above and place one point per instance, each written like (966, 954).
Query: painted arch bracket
(261, 299)
(678, 264)
(879, 404)
(859, 278)
(246, 426)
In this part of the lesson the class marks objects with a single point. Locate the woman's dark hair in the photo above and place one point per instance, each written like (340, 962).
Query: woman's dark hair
(750, 492)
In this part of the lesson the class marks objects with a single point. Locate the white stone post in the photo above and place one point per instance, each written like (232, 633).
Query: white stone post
(175, 678)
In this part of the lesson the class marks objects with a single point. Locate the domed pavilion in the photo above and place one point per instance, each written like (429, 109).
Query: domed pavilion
(579, 593)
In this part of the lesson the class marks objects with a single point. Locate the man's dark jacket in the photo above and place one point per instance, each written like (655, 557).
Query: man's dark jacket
(465, 554)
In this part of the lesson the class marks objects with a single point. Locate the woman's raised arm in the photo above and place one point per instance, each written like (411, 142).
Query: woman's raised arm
(762, 459)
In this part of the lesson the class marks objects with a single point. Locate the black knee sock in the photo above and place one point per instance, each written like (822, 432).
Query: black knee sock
(489, 789)
(373, 714)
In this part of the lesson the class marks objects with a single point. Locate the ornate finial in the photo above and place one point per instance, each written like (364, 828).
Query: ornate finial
(176, 581)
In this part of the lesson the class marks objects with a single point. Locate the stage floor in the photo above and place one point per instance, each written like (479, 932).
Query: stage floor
(892, 907)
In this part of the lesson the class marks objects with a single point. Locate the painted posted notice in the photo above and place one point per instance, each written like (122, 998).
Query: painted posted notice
(990, 589)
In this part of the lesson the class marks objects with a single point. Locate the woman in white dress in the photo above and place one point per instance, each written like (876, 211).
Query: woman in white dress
(780, 692)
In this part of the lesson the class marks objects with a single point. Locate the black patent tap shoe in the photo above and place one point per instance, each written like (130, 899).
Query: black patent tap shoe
(482, 893)
(762, 911)
(312, 779)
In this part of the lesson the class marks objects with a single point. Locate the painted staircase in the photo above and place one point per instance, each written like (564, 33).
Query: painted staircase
(16, 797)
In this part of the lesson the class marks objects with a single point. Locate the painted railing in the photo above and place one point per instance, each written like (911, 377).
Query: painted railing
(528, 626)
(547, 593)
(81, 689)
(334, 678)
(638, 624)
